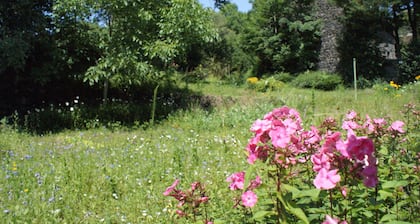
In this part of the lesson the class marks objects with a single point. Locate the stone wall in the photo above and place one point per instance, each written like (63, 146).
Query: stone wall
(331, 29)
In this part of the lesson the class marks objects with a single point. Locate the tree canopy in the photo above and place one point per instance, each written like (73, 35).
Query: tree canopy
(54, 48)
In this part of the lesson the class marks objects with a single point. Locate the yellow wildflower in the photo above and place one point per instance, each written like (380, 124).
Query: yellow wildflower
(417, 77)
(26, 190)
(14, 166)
(252, 80)
(395, 85)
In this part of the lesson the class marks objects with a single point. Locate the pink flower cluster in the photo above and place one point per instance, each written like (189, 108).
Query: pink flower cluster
(194, 196)
(248, 198)
(376, 127)
(357, 153)
(278, 137)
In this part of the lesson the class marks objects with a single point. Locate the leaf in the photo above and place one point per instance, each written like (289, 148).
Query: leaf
(292, 189)
(218, 221)
(313, 193)
(248, 173)
(383, 195)
(388, 217)
(298, 212)
(296, 193)
(259, 216)
(394, 184)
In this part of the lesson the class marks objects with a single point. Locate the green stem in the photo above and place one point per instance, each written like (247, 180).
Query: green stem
(278, 208)
(331, 201)
(376, 208)
(152, 119)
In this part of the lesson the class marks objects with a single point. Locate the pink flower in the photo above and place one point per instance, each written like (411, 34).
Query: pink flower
(203, 199)
(171, 188)
(370, 176)
(351, 115)
(256, 152)
(195, 185)
(261, 126)
(397, 127)
(369, 125)
(249, 199)
(379, 121)
(320, 160)
(350, 125)
(255, 183)
(311, 139)
(279, 136)
(344, 191)
(180, 213)
(330, 220)
(326, 179)
(331, 141)
(359, 147)
(236, 181)
(282, 113)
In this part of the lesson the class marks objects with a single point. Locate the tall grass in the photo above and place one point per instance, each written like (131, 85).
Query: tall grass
(115, 176)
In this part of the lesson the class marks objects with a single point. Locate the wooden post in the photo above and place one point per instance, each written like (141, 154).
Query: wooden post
(355, 78)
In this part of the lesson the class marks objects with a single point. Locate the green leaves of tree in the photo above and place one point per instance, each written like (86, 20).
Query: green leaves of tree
(142, 37)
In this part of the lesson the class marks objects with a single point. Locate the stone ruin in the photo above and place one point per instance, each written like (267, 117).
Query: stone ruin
(329, 14)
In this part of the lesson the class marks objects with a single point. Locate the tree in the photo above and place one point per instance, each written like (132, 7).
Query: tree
(27, 51)
(220, 3)
(144, 37)
(284, 34)
(360, 40)
(229, 50)
(366, 22)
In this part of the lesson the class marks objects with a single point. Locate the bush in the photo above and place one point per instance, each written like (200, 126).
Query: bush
(318, 80)
(284, 77)
(269, 84)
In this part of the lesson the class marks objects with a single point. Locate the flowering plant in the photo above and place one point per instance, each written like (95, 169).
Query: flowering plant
(280, 144)
(188, 201)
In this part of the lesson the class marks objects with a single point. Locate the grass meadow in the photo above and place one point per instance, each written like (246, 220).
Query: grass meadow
(119, 176)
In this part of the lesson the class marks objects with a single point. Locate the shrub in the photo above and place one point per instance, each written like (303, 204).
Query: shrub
(269, 84)
(318, 80)
(284, 77)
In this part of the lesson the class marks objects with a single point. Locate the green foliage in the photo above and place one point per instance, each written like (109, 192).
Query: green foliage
(360, 41)
(144, 37)
(317, 80)
(269, 84)
(410, 67)
(115, 175)
(230, 50)
(284, 35)
(284, 77)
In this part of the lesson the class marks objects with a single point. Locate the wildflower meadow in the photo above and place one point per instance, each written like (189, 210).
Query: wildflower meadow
(284, 156)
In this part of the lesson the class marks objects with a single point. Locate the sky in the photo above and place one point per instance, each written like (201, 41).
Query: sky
(243, 5)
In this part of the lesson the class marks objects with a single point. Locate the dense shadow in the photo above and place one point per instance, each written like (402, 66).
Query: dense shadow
(127, 108)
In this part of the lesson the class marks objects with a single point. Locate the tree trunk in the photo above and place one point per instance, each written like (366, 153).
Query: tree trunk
(412, 17)
(106, 82)
(396, 34)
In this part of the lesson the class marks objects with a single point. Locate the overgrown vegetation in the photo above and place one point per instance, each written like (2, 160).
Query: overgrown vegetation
(318, 80)
(105, 104)
(116, 175)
